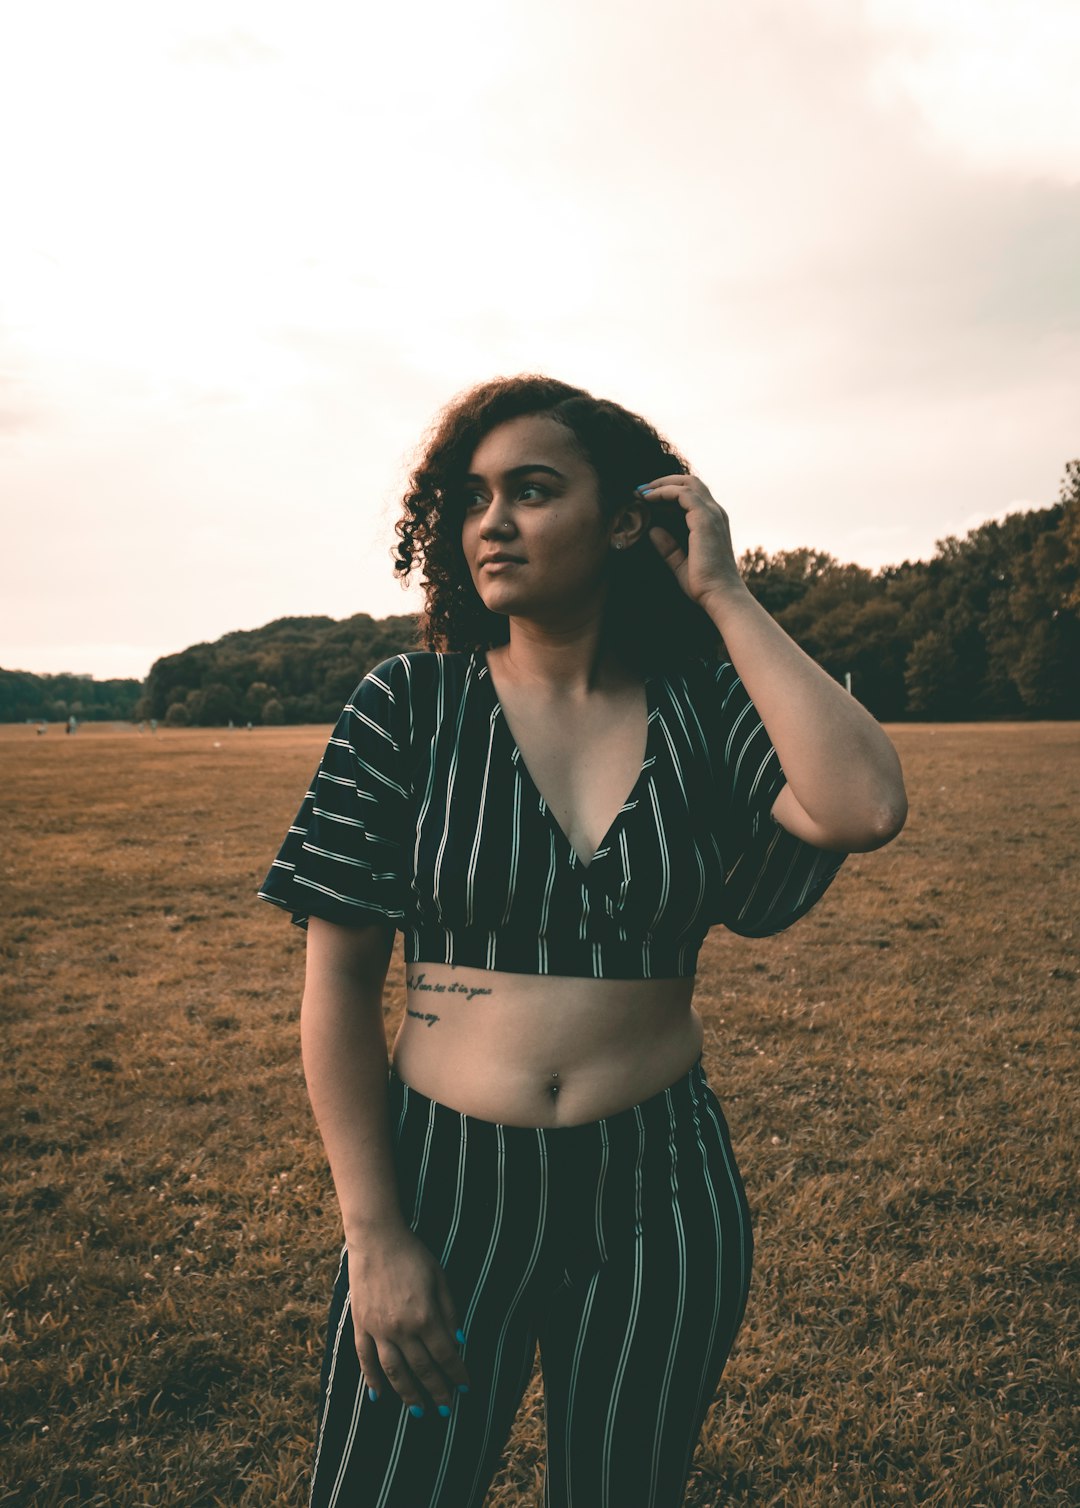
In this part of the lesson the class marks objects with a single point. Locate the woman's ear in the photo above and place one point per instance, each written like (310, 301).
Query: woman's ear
(630, 524)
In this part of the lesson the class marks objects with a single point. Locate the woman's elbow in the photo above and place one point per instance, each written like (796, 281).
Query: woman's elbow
(883, 824)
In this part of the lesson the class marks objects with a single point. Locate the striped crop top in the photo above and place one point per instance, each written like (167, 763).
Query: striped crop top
(422, 814)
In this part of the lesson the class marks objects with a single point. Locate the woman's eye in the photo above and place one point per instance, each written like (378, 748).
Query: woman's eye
(477, 499)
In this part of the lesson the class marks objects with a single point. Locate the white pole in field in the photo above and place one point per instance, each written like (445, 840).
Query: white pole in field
(847, 680)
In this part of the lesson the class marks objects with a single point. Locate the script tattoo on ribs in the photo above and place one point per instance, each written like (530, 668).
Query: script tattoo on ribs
(417, 982)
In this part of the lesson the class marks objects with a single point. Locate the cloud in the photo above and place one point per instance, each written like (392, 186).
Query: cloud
(234, 49)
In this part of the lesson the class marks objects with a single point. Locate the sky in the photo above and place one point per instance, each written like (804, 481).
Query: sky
(830, 248)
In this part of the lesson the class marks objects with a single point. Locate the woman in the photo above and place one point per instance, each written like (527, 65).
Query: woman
(554, 803)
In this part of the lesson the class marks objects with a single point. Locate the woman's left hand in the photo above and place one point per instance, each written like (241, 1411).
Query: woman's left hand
(708, 567)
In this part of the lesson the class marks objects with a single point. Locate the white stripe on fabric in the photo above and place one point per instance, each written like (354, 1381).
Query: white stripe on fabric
(744, 1275)
(700, 739)
(718, 1294)
(675, 762)
(605, 1146)
(761, 872)
(423, 1166)
(338, 858)
(399, 1433)
(575, 1365)
(470, 873)
(448, 807)
(345, 780)
(758, 781)
(628, 1334)
(350, 1441)
(330, 1378)
(665, 860)
(371, 769)
(405, 1093)
(495, 1380)
(735, 734)
(391, 1462)
(677, 708)
(496, 1229)
(545, 909)
(455, 1221)
(425, 804)
(369, 722)
(459, 1194)
(680, 1302)
(328, 816)
(371, 676)
(624, 860)
(347, 900)
(515, 849)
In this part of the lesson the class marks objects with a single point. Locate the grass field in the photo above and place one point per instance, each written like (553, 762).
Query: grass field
(898, 1071)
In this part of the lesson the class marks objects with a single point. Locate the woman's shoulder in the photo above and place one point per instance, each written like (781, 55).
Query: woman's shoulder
(413, 678)
(421, 668)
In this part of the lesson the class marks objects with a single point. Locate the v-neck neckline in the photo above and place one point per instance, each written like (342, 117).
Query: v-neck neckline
(630, 800)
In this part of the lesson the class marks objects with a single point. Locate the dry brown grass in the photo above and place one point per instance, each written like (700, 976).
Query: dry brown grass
(897, 1071)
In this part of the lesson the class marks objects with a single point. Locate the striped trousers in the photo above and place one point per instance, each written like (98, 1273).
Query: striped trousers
(622, 1247)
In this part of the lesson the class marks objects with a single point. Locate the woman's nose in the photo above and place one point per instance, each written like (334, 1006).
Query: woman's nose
(494, 523)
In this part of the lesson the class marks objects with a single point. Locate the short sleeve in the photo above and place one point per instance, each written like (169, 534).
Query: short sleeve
(771, 877)
(345, 856)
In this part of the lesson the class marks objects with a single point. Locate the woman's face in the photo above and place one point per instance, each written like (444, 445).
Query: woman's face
(531, 495)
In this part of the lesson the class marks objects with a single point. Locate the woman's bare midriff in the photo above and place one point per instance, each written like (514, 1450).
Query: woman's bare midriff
(543, 1050)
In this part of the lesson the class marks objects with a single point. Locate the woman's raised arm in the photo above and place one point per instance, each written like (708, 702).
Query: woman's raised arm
(845, 788)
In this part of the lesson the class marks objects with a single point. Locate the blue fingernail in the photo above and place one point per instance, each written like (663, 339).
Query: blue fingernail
(444, 1410)
(643, 488)
(373, 1395)
(463, 1387)
(416, 1411)
(459, 1336)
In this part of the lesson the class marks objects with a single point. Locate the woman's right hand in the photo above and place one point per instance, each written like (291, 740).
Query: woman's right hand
(404, 1319)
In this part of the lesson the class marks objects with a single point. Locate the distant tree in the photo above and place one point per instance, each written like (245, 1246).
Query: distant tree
(218, 705)
(1069, 531)
(177, 716)
(934, 677)
(777, 581)
(255, 699)
(273, 712)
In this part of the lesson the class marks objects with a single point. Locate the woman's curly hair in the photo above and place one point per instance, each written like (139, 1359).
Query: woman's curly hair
(647, 615)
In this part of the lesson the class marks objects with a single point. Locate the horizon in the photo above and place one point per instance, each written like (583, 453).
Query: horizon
(876, 571)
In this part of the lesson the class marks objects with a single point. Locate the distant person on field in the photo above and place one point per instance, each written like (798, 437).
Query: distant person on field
(553, 801)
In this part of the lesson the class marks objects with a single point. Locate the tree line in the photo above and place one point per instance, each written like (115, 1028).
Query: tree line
(988, 628)
(54, 698)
